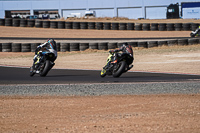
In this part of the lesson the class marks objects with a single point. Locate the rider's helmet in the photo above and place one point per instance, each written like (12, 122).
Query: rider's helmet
(52, 43)
(50, 40)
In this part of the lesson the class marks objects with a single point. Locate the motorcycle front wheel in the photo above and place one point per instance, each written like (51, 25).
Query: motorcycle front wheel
(44, 72)
(103, 73)
(120, 68)
(32, 73)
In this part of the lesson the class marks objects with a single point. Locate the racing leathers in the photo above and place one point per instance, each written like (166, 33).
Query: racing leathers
(126, 49)
(49, 46)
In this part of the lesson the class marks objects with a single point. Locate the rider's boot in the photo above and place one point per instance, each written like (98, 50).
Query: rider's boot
(129, 67)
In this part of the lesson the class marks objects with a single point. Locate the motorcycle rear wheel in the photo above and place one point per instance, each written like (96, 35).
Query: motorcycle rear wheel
(46, 69)
(120, 69)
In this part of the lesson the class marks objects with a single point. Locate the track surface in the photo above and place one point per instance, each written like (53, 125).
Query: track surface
(11, 75)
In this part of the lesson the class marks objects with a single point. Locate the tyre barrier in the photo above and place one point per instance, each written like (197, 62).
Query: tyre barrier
(16, 22)
(193, 41)
(138, 26)
(152, 44)
(38, 23)
(46, 24)
(99, 25)
(64, 47)
(182, 41)
(170, 27)
(2, 22)
(114, 26)
(186, 26)
(107, 26)
(162, 43)
(91, 25)
(112, 45)
(178, 26)
(76, 25)
(74, 46)
(34, 46)
(172, 42)
(31, 23)
(142, 44)
(58, 46)
(0, 47)
(93, 45)
(122, 26)
(83, 46)
(16, 47)
(78, 46)
(103, 46)
(25, 47)
(133, 44)
(54, 24)
(83, 25)
(68, 25)
(154, 27)
(23, 22)
(162, 27)
(61, 24)
(194, 26)
(8, 21)
(6, 47)
(146, 26)
(130, 26)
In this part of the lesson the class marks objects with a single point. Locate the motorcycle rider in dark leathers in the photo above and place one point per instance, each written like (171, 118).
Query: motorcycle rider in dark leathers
(50, 46)
(126, 49)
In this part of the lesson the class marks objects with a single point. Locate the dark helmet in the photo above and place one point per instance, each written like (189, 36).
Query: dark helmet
(52, 43)
(50, 40)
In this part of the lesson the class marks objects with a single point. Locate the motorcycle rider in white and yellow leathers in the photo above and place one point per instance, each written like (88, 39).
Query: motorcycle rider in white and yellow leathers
(48, 46)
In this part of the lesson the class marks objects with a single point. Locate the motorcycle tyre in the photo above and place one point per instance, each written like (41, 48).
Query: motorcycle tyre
(103, 74)
(31, 72)
(46, 69)
(120, 70)
(192, 35)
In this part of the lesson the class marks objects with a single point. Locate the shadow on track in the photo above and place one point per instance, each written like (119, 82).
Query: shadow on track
(11, 75)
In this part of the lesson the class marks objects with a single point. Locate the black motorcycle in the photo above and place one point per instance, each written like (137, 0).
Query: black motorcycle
(118, 66)
(44, 63)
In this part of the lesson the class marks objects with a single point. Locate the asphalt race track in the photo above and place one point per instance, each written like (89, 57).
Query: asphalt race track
(13, 75)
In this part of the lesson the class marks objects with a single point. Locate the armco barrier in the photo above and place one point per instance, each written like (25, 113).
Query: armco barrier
(81, 46)
(99, 25)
